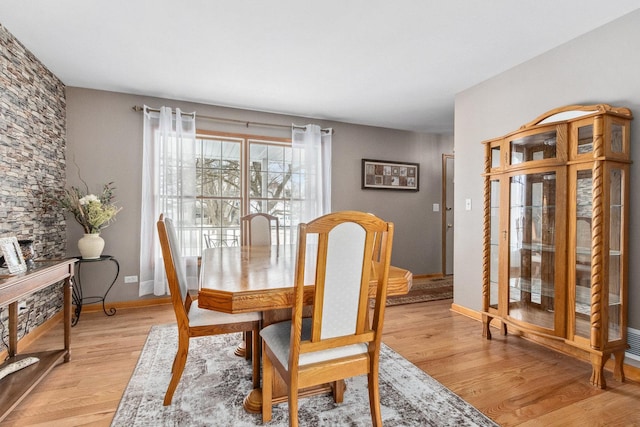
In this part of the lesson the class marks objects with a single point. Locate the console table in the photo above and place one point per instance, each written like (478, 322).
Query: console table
(16, 287)
(79, 299)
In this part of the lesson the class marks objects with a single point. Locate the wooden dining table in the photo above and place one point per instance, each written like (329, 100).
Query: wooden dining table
(243, 279)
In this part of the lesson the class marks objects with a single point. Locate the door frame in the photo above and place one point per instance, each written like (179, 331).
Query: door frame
(444, 210)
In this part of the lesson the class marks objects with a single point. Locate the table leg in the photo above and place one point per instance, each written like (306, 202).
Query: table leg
(79, 299)
(68, 286)
(13, 329)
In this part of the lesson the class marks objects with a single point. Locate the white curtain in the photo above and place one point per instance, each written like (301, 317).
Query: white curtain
(168, 187)
(311, 194)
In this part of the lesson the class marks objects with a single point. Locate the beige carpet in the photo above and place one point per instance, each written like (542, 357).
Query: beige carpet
(425, 289)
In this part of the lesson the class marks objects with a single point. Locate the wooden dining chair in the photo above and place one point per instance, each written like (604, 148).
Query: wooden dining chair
(340, 340)
(194, 321)
(257, 227)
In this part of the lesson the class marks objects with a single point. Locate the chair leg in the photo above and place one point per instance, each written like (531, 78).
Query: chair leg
(177, 369)
(247, 344)
(267, 387)
(255, 361)
(293, 405)
(374, 398)
(173, 365)
(338, 391)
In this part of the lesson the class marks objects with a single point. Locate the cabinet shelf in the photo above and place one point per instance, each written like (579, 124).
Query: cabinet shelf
(536, 287)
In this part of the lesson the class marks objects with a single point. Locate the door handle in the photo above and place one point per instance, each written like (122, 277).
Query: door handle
(449, 225)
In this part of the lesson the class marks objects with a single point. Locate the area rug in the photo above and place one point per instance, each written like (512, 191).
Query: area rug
(425, 289)
(215, 382)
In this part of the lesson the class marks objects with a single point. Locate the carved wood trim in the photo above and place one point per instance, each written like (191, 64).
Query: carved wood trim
(486, 251)
(597, 235)
(597, 109)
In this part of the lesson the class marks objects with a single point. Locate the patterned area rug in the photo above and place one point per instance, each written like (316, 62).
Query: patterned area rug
(215, 382)
(425, 289)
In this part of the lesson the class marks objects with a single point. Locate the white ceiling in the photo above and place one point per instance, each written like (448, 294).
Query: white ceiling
(395, 64)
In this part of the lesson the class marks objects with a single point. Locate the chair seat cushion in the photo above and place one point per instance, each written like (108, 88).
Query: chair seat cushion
(277, 337)
(203, 317)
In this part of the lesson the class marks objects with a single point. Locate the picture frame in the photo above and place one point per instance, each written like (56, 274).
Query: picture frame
(12, 255)
(390, 175)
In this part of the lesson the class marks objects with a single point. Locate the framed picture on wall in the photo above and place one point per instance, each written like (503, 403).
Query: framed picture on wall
(388, 175)
(12, 255)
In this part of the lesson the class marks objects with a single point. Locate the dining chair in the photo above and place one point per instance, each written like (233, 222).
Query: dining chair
(194, 321)
(257, 227)
(340, 339)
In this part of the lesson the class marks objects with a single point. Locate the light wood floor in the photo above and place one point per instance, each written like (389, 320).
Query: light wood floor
(514, 382)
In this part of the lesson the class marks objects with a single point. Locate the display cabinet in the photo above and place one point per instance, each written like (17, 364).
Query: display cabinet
(555, 231)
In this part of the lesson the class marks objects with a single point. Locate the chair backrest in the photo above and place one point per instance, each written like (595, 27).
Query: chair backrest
(345, 265)
(257, 228)
(175, 269)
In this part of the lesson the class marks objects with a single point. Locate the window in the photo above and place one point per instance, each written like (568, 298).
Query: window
(236, 176)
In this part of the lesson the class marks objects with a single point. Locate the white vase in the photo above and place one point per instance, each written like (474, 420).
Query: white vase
(91, 246)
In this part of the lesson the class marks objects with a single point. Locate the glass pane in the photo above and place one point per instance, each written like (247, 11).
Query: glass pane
(495, 157)
(615, 255)
(223, 227)
(218, 168)
(533, 147)
(494, 245)
(617, 134)
(270, 185)
(218, 192)
(585, 139)
(584, 210)
(531, 248)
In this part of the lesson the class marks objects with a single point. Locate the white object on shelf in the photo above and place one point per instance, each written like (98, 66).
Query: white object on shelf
(16, 366)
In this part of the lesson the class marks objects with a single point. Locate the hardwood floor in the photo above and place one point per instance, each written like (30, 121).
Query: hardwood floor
(514, 382)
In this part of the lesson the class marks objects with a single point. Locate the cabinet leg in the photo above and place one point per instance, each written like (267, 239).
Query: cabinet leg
(618, 369)
(597, 370)
(486, 326)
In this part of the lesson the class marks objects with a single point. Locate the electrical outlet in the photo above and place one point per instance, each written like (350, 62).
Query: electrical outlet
(22, 306)
(130, 279)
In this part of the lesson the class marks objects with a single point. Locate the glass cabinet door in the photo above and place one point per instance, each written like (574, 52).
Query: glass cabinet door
(532, 248)
(537, 146)
(585, 139)
(584, 209)
(494, 244)
(583, 249)
(616, 177)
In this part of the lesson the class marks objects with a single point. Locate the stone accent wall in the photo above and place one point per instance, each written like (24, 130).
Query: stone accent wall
(32, 166)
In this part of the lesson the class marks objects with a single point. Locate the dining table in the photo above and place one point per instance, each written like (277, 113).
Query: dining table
(240, 279)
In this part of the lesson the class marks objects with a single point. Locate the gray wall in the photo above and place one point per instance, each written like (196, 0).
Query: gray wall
(602, 66)
(104, 138)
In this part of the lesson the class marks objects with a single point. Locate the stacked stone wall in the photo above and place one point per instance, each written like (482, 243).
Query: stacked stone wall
(32, 167)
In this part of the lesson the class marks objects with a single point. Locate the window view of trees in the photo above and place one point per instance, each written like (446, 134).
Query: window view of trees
(221, 196)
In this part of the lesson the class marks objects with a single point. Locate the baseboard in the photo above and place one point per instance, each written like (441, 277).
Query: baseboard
(466, 311)
(631, 372)
(90, 308)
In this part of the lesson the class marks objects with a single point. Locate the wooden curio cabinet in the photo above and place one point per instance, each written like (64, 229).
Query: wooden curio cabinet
(555, 233)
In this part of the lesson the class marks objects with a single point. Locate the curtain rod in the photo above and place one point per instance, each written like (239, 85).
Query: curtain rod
(138, 108)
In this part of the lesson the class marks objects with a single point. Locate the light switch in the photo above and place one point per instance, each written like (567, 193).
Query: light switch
(467, 204)
(436, 207)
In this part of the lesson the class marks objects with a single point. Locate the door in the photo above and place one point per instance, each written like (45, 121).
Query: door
(447, 213)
